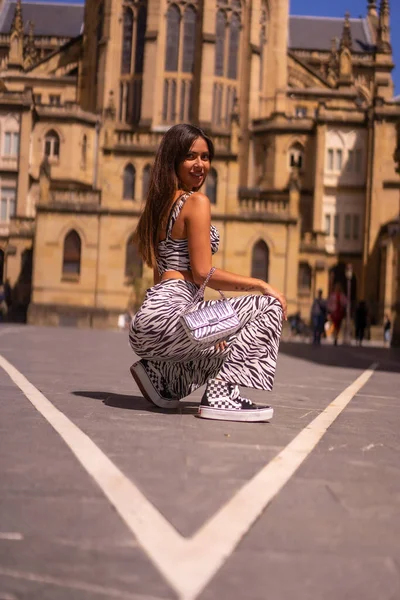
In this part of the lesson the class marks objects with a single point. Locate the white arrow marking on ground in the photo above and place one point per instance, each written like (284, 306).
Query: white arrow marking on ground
(188, 564)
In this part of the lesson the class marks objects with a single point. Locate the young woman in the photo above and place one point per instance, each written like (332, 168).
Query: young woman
(175, 237)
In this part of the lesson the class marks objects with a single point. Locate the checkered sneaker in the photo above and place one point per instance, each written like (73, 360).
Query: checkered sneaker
(222, 401)
(152, 385)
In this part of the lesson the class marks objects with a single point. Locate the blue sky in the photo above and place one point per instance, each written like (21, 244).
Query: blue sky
(356, 8)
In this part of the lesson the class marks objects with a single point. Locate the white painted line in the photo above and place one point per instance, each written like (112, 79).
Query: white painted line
(73, 585)
(9, 330)
(5, 535)
(188, 564)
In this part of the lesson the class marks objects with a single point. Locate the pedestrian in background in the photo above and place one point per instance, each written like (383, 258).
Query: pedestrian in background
(337, 303)
(360, 321)
(3, 305)
(318, 317)
(387, 325)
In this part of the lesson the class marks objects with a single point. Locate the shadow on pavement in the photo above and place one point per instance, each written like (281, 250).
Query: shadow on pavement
(128, 402)
(351, 357)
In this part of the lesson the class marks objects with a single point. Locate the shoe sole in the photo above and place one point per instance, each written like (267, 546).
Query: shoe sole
(148, 390)
(256, 415)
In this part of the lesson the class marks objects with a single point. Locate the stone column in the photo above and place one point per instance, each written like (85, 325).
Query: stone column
(319, 177)
(23, 171)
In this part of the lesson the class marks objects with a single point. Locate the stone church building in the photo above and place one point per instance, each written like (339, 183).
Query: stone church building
(302, 113)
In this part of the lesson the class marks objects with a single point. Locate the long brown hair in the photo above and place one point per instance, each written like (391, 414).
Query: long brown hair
(164, 183)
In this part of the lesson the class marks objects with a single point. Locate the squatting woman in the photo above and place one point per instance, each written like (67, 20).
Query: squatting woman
(175, 237)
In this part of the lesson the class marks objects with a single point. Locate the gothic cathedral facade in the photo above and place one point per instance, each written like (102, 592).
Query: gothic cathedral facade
(304, 120)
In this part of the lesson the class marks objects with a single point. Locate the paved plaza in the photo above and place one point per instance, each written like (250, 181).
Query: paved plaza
(104, 497)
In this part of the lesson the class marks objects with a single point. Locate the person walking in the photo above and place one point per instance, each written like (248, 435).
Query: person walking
(387, 325)
(318, 317)
(175, 237)
(360, 321)
(337, 303)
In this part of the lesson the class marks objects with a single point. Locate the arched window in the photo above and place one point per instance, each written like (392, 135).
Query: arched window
(260, 261)
(84, 152)
(11, 138)
(211, 185)
(173, 34)
(72, 254)
(1, 266)
(304, 277)
(129, 182)
(189, 39)
(133, 261)
(140, 38)
(220, 43)
(296, 156)
(127, 41)
(52, 144)
(234, 39)
(146, 181)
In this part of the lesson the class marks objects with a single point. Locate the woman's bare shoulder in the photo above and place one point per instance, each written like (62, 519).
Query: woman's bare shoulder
(199, 198)
(197, 202)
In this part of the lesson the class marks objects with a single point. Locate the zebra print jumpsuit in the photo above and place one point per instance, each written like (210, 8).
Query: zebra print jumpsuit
(156, 333)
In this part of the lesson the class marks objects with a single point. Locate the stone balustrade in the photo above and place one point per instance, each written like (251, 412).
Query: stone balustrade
(21, 227)
(275, 206)
(75, 196)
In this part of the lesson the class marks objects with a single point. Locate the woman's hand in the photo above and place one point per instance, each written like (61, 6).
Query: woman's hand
(220, 347)
(268, 290)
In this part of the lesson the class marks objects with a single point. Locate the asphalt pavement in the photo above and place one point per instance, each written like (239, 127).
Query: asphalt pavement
(103, 496)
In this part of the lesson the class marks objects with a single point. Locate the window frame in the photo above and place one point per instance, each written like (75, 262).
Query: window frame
(8, 196)
(11, 148)
(255, 269)
(347, 227)
(129, 169)
(213, 195)
(73, 258)
(52, 140)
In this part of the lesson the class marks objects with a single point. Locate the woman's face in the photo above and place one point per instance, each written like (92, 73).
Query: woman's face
(195, 167)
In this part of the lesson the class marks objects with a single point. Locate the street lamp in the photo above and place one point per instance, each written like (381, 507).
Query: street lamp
(349, 277)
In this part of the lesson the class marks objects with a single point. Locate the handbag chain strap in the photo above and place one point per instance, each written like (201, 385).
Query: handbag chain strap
(200, 294)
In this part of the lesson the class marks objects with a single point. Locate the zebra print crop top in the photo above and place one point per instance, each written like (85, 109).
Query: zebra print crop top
(173, 255)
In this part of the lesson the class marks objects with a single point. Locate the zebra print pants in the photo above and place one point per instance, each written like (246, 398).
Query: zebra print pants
(249, 359)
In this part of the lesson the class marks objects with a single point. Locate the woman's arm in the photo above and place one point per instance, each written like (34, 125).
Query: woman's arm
(197, 218)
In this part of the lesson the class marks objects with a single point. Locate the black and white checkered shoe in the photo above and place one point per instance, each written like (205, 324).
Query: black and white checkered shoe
(222, 401)
(150, 383)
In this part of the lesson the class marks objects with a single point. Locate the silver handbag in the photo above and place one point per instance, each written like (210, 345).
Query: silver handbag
(210, 324)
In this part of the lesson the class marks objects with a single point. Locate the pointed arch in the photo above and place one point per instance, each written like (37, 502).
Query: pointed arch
(304, 277)
(260, 261)
(212, 185)
(234, 42)
(140, 38)
(189, 39)
(296, 155)
(72, 254)
(84, 151)
(133, 260)
(127, 34)
(173, 38)
(220, 33)
(52, 144)
(129, 182)
(146, 181)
